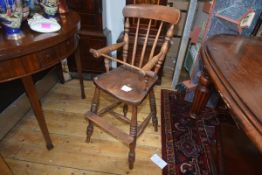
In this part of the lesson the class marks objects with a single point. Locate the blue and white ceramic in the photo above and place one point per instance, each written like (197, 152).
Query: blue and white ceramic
(25, 9)
(11, 15)
(34, 6)
(50, 8)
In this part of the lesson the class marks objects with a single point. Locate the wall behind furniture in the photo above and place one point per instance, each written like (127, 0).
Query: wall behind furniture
(113, 20)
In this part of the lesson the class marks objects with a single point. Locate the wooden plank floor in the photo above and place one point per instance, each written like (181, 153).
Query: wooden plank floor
(25, 152)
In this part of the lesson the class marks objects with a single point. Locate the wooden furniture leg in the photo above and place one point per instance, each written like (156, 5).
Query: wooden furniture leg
(94, 107)
(219, 150)
(36, 106)
(4, 168)
(59, 71)
(79, 71)
(152, 102)
(125, 109)
(133, 133)
(202, 95)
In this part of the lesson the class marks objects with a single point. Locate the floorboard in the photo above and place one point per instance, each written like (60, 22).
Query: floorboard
(24, 149)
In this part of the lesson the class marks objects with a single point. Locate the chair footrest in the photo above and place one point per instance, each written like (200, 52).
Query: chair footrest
(104, 125)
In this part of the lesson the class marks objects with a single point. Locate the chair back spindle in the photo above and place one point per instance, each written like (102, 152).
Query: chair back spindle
(126, 40)
(152, 14)
(135, 42)
(155, 41)
(137, 72)
(145, 44)
(165, 47)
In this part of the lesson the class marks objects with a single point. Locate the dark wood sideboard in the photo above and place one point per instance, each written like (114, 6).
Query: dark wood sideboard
(91, 34)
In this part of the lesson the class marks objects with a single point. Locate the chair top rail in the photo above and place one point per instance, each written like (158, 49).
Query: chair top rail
(156, 12)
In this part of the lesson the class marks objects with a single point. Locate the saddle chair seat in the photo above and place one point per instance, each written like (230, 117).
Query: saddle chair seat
(113, 82)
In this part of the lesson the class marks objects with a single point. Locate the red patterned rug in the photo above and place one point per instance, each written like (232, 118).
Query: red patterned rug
(185, 141)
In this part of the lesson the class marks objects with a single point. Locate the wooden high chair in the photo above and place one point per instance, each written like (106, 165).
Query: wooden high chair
(134, 79)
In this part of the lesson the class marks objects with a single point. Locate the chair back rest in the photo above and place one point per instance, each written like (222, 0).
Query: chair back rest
(144, 17)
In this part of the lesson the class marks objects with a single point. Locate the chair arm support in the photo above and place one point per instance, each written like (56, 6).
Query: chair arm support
(150, 64)
(142, 71)
(105, 50)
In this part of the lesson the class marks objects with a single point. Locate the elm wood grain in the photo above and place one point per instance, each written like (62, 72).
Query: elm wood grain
(138, 73)
(234, 66)
(36, 52)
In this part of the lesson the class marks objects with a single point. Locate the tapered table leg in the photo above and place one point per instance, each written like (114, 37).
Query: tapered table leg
(36, 106)
(79, 71)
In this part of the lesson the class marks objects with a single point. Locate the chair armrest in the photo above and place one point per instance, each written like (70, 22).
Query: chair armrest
(144, 72)
(105, 50)
(150, 64)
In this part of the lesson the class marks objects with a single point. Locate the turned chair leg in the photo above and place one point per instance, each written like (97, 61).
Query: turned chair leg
(152, 102)
(94, 107)
(133, 133)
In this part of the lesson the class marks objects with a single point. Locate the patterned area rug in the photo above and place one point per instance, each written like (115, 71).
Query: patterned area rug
(185, 141)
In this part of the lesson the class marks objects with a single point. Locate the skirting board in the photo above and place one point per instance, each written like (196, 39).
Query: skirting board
(15, 111)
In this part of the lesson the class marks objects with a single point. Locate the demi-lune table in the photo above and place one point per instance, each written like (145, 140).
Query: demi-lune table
(19, 59)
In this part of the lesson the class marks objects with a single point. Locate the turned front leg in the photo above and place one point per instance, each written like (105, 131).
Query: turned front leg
(202, 95)
(94, 107)
(133, 133)
(152, 102)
